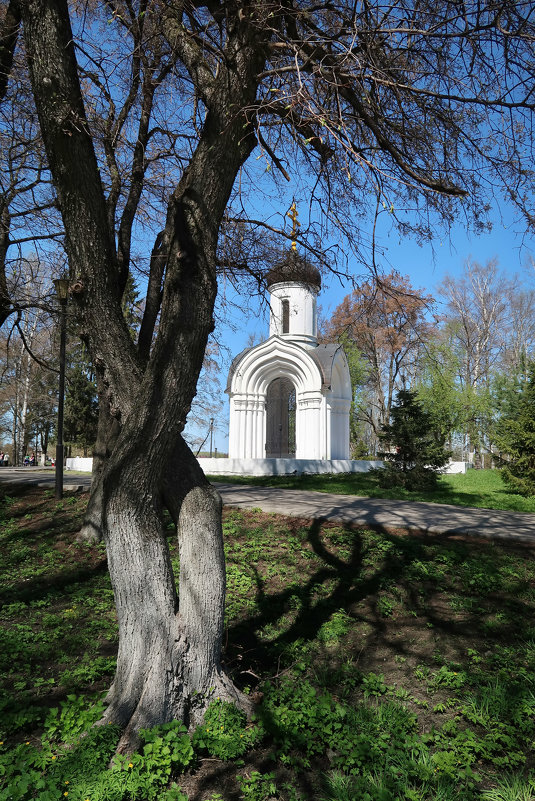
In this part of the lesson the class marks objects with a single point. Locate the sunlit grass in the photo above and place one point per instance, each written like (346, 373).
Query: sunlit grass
(387, 667)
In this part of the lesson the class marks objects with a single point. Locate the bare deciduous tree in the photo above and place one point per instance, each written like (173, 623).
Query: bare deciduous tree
(424, 107)
(478, 316)
(387, 321)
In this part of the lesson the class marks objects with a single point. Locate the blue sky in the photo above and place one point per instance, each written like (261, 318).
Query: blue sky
(426, 266)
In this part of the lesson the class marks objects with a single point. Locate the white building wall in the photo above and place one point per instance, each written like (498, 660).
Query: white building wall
(303, 311)
(339, 415)
(261, 467)
(339, 401)
(322, 387)
(275, 467)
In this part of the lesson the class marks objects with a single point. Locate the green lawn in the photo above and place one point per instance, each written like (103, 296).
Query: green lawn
(386, 668)
(481, 488)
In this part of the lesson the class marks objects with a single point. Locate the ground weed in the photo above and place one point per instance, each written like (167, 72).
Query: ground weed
(258, 786)
(437, 710)
(225, 732)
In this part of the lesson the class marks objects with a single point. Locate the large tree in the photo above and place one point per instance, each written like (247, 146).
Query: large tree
(27, 199)
(348, 102)
(478, 317)
(81, 405)
(489, 325)
(27, 372)
(388, 321)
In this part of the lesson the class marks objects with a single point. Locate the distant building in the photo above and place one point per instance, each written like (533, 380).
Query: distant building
(289, 396)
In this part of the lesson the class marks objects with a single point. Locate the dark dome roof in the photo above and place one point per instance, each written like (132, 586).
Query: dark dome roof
(294, 267)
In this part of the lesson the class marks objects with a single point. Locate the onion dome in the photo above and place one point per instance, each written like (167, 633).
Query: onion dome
(294, 268)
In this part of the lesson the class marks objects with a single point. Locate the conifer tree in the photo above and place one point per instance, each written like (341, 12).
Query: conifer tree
(81, 409)
(516, 438)
(415, 445)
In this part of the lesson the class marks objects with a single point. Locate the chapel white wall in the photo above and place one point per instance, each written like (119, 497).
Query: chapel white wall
(322, 409)
(303, 311)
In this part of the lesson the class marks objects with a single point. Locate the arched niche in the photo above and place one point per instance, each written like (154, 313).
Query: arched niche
(280, 419)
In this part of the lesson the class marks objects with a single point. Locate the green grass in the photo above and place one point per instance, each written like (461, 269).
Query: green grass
(480, 488)
(388, 668)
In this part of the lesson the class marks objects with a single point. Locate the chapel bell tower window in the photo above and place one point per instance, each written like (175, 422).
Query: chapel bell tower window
(285, 316)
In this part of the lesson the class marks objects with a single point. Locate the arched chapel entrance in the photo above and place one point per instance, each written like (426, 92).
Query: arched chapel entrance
(280, 419)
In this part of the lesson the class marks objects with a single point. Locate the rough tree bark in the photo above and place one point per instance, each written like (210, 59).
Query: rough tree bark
(168, 660)
(92, 530)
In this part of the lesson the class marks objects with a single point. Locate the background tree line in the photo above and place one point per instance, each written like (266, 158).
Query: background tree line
(464, 361)
(29, 374)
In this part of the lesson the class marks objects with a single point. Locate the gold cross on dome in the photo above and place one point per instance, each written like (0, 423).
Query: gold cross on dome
(293, 215)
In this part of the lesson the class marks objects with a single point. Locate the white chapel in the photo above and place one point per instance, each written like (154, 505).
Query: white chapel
(290, 396)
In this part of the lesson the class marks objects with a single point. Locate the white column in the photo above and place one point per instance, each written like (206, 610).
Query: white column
(261, 430)
(308, 426)
(234, 430)
(252, 432)
(242, 411)
(246, 447)
(328, 424)
(252, 428)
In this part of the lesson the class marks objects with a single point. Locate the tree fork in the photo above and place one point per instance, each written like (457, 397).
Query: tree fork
(169, 660)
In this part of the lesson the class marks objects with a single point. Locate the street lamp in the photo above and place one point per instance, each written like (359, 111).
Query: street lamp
(62, 292)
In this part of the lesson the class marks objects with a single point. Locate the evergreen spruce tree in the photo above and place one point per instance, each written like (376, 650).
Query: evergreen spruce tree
(515, 437)
(81, 410)
(415, 445)
(81, 400)
(130, 304)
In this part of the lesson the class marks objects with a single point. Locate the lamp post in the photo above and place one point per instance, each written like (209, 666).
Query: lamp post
(211, 434)
(62, 291)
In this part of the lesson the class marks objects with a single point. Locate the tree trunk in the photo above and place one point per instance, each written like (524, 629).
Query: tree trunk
(25, 373)
(202, 605)
(168, 663)
(107, 433)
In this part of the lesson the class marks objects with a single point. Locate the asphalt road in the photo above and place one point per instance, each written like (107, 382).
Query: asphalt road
(43, 477)
(424, 518)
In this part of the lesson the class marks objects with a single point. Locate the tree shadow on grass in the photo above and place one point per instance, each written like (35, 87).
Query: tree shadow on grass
(297, 612)
(355, 578)
(41, 554)
(40, 587)
(423, 630)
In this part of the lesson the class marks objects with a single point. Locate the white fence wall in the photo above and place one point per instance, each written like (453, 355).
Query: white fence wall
(276, 467)
(281, 467)
(458, 467)
(81, 463)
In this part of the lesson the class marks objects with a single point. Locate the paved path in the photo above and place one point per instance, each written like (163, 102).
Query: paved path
(43, 477)
(426, 518)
